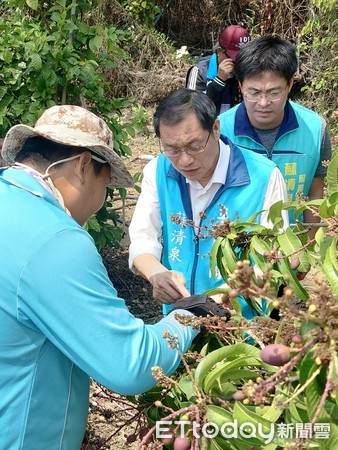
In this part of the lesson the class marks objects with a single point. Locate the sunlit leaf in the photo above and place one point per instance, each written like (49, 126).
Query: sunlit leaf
(275, 213)
(224, 353)
(33, 4)
(332, 175)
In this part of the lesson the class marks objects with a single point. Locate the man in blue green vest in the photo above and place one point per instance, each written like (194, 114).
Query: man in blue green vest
(266, 122)
(198, 179)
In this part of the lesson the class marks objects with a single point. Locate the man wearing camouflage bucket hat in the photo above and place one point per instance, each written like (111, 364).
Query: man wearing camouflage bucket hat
(61, 320)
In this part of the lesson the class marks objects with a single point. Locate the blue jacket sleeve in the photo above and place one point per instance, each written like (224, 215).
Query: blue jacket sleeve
(65, 293)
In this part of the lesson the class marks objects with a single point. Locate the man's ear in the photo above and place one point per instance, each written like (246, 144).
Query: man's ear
(82, 165)
(216, 128)
(290, 84)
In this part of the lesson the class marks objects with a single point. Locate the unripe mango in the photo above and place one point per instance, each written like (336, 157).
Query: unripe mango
(276, 354)
(238, 395)
(182, 443)
(167, 440)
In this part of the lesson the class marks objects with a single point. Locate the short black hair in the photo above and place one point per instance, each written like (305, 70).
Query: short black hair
(266, 54)
(43, 152)
(182, 102)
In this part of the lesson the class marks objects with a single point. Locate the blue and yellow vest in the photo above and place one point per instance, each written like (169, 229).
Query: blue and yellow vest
(296, 151)
(241, 196)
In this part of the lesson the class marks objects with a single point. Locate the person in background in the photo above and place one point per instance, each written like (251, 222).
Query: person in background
(267, 123)
(198, 179)
(61, 320)
(215, 76)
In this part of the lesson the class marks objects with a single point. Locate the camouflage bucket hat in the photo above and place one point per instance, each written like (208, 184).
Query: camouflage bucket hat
(75, 126)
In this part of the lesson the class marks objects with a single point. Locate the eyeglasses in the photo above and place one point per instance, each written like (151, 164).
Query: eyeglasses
(175, 152)
(272, 96)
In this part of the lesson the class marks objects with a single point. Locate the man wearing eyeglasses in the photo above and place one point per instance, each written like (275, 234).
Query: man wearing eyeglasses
(198, 179)
(215, 75)
(266, 122)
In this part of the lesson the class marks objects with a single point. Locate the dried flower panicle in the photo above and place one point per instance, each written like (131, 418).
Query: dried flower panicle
(172, 340)
(160, 376)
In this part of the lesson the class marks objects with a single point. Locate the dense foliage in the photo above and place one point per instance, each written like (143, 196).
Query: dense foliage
(52, 53)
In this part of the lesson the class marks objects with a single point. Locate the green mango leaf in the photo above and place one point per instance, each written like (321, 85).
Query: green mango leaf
(213, 445)
(245, 415)
(320, 234)
(333, 199)
(289, 242)
(323, 210)
(259, 246)
(223, 270)
(299, 211)
(212, 379)
(253, 217)
(295, 416)
(275, 213)
(307, 367)
(332, 175)
(222, 354)
(213, 255)
(333, 252)
(225, 390)
(228, 256)
(250, 228)
(313, 394)
(274, 411)
(332, 442)
(259, 260)
(218, 415)
(328, 267)
(187, 387)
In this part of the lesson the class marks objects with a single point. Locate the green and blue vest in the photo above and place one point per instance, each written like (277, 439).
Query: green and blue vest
(296, 151)
(241, 195)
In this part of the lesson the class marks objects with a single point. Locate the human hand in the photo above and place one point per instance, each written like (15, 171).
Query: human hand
(225, 69)
(202, 306)
(168, 286)
(222, 298)
(294, 264)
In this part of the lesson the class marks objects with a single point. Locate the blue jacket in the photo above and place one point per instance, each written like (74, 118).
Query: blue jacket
(241, 195)
(297, 148)
(61, 321)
